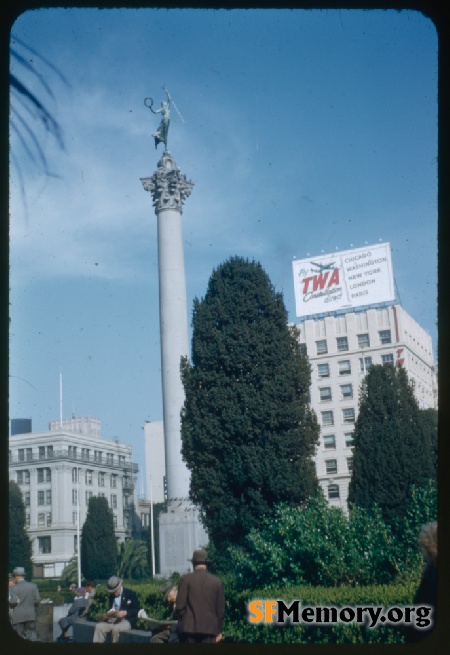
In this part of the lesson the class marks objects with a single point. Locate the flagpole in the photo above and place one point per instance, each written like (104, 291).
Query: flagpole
(78, 529)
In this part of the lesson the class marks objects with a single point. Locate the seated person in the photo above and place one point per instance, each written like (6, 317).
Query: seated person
(123, 612)
(77, 609)
(168, 634)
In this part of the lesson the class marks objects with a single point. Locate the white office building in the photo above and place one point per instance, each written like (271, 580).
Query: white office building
(349, 321)
(58, 472)
(341, 349)
(155, 461)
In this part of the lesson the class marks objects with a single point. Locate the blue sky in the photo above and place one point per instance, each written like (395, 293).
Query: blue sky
(304, 132)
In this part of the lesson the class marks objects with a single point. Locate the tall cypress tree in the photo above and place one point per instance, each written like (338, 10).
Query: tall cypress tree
(392, 451)
(20, 548)
(248, 433)
(429, 419)
(98, 541)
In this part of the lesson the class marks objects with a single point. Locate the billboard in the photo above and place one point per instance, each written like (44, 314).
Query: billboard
(343, 280)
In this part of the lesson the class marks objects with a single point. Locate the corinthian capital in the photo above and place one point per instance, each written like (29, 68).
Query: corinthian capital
(168, 185)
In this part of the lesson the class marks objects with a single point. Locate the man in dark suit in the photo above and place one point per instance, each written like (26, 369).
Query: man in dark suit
(200, 607)
(122, 615)
(23, 602)
(77, 610)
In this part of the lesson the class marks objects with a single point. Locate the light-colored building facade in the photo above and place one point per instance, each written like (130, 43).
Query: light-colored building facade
(80, 424)
(341, 348)
(58, 472)
(155, 461)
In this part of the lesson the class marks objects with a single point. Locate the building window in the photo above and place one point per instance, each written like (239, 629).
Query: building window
(98, 456)
(40, 498)
(385, 336)
(73, 452)
(44, 475)
(48, 497)
(114, 501)
(387, 360)
(329, 441)
(41, 519)
(74, 475)
(109, 459)
(348, 439)
(85, 454)
(115, 520)
(323, 370)
(41, 452)
(101, 479)
(342, 343)
(327, 418)
(88, 477)
(333, 491)
(348, 415)
(49, 452)
(26, 499)
(325, 393)
(44, 545)
(344, 367)
(350, 464)
(346, 391)
(74, 496)
(121, 460)
(114, 481)
(88, 495)
(27, 519)
(331, 466)
(23, 477)
(48, 519)
(363, 341)
(321, 347)
(21, 454)
(74, 518)
(365, 363)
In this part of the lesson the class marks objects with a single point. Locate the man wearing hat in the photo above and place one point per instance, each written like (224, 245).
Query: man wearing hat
(200, 604)
(24, 601)
(123, 611)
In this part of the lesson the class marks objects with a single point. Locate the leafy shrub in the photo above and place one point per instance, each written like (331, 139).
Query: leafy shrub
(238, 629)
(319, 545)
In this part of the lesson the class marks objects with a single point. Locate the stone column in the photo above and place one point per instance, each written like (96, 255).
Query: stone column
(179, 527)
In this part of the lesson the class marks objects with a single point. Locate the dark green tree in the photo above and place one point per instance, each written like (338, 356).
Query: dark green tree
(391, 449)
(430, 424)
(248, 433)
(98, 541)
(20, 549)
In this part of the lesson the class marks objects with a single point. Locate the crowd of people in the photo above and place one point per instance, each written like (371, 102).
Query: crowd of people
(198, 608)
(197, 603)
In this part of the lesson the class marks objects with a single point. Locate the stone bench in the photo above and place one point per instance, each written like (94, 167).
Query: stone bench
(83, 633)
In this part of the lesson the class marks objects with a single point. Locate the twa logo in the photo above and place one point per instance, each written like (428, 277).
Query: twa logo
(321, 281)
